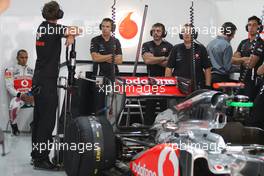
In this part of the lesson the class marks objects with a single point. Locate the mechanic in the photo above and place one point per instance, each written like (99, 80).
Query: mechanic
(18, 81)
(155, 55)
(180, 60)
(244, 57)
(48, 48)
(103, 48)
(220, 52)
(106, 54)
(257, 119)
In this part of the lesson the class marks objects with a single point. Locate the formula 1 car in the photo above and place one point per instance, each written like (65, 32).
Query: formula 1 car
(193, 138)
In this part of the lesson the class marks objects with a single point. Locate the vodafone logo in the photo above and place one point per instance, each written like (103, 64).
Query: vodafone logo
(168, 155)
(144, 81)
(128, 28)
(4, 4)
(24, 83)
(141, 170)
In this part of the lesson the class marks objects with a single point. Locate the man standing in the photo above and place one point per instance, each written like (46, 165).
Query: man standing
(181, 58)
(249, 55)
(48, 48)
(155, 55)
(19, 83)
(220, 52)
(106, 51)
(257, 119)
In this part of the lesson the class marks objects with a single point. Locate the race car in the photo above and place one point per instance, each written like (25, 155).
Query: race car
(192, 138)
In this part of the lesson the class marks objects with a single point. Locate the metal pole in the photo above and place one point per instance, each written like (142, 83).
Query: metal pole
(140, 39)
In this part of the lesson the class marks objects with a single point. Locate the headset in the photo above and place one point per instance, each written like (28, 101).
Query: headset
(193, 29)
(164, 32)
(260, 28)
(52, 11)
(113, 26)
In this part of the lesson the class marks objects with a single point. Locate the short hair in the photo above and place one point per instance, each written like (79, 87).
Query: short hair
(188, 25)
(159, 25)
(257, 19)
(50, 10)
(21, 51)
(228, 29)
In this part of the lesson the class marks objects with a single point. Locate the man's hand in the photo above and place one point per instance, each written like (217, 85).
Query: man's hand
(164, 63)
(27, 99)
(69, 40)
(246, 61)
(110, 60)
(260, 70)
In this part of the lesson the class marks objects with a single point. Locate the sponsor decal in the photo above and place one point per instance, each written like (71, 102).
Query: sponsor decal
(161, 160)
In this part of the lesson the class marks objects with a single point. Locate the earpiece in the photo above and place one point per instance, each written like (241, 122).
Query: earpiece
(164, 32)
(113, 26)
(260, 29)
(195, 35)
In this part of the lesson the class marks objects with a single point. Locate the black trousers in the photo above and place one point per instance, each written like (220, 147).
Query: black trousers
(251, 89)
(44, 118)
(257, 118)
(216, 78)
(150, 112)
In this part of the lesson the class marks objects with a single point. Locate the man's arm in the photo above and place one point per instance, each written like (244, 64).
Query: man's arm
(118, 59)
(253, 60)
(118, 53)
(164, 63)
(168, 72)
(149, 58)
(208, 77)
(261, 70)
(101, 58)
(238, 60)
(70, 33)
(9, 81)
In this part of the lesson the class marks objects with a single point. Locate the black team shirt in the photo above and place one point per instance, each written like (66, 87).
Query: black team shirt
(99, 45)
(245, 48)
(158, 51)
(180, 60)
(48, 48)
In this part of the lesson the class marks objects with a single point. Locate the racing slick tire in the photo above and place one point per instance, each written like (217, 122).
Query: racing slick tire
(92, 143)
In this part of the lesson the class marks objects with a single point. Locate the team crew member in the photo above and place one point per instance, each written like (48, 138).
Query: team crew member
(48, 48)
(155, 55)
(180, 60)
(220, 52)
(103, 48)
(257, 119)
(106, 53)
(246, 59)
(19, 83)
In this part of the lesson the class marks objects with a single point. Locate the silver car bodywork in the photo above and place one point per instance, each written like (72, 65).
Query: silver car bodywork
(198, 125)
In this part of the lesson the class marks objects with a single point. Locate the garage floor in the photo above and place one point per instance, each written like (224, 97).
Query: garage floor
(17, 160)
